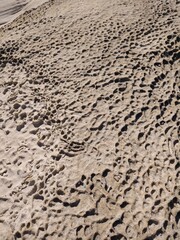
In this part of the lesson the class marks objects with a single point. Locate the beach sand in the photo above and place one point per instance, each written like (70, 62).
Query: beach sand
(11, 9)
(89, 118)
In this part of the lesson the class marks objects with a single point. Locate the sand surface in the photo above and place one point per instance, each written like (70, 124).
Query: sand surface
(11, 9)
(89, 118)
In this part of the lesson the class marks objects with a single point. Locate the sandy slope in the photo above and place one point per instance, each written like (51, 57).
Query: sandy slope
(11, 9)
(89, 117)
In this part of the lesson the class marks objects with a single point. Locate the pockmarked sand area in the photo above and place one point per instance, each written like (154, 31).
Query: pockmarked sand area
(89, 120)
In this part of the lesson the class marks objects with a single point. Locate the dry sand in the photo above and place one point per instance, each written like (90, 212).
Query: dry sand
(89, 117)
(11, 9)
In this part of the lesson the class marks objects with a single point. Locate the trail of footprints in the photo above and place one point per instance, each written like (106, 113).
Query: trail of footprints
(89, 122)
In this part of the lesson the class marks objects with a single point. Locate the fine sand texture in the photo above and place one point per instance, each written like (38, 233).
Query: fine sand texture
(89, 119)
(11, 9)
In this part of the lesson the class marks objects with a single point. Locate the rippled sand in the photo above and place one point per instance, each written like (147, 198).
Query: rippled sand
(89, 118)
(11, 9)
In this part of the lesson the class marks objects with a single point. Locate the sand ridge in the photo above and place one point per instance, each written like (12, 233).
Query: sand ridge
(89, 118)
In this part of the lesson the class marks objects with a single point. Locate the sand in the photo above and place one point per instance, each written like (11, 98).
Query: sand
(89, 118)
(11, 9)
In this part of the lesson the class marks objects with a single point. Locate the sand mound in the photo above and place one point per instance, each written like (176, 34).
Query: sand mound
(89, 117)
